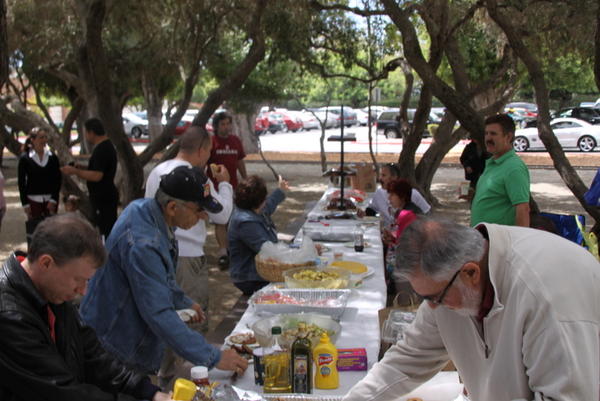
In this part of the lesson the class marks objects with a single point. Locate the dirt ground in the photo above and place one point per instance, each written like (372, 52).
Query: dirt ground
(307, 186)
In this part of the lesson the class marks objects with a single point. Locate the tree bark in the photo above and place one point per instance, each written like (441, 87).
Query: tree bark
(3, 45)
(92, 15)
(153, 100)
(534, 68)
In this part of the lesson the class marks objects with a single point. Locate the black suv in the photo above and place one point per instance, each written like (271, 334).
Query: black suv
(589, 114)
(388, 124)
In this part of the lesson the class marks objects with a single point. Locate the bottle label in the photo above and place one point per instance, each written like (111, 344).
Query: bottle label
(300, 384)
(324, 359)
(325, 371)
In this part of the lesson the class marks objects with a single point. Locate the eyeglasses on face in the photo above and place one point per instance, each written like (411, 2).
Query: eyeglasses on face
(439, 299)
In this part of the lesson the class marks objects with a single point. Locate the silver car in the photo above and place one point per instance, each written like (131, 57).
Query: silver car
(570, 132)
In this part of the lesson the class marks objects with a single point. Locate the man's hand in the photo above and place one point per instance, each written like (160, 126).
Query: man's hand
(199, 317)
(283, 184)
(230, 360)
(160, 396)
(221, 174)
(68, 170)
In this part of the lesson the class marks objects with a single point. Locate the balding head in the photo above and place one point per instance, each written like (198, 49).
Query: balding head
(437, 248)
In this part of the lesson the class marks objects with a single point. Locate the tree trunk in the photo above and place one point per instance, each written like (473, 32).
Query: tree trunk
(243, 126)
(153, 100)
(445, 139)
(3, 45)
(95, 63)
(534, 68)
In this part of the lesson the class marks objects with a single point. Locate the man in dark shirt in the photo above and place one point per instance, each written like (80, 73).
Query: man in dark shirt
(46, 352)
(100, 175)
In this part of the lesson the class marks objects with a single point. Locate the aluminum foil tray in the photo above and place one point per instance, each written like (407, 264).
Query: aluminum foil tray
(328, 302)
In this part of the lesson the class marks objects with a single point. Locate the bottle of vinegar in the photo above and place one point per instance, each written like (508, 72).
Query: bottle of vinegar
(302, 362)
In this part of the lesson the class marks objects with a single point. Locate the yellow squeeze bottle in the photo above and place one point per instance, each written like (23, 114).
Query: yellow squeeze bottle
(325, 356)
(183, 390)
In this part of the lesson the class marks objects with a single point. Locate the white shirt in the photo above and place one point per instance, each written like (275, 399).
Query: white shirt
(191, 242)
(380, 202)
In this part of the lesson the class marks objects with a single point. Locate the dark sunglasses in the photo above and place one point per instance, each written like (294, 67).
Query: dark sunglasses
(438, 300)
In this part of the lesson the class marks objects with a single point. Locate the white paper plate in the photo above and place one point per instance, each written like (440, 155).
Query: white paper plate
(186, 314)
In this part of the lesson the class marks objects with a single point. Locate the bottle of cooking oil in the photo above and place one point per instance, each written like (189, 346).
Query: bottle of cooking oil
(325, 356)
(277, 366)
(302, 362)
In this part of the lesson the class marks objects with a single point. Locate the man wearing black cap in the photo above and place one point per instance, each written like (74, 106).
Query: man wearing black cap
(132, 301)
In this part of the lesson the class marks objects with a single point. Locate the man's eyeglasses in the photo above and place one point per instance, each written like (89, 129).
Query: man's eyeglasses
(438, 300)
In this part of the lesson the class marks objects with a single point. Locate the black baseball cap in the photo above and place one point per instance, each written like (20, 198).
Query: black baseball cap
(190, 184)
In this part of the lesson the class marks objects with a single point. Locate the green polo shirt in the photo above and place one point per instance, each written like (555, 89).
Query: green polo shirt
(503, 184)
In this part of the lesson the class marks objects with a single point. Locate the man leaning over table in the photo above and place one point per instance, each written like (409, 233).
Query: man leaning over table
(132, 301)
(192, 270)
(46, 353)
(516, 309)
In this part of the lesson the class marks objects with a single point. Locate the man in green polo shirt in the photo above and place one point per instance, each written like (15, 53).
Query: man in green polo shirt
(502, 193)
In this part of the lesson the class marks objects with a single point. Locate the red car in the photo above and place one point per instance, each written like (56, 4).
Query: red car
(292, 122)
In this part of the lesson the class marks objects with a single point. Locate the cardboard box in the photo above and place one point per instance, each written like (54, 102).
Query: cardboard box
(352, 359)
(364, 180)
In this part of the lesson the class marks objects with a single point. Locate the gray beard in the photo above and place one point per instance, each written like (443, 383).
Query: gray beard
(471, 300)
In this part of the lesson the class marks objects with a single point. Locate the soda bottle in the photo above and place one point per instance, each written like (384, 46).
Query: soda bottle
(199, 375)
(325, 356)
(277, 366)
(302, 362)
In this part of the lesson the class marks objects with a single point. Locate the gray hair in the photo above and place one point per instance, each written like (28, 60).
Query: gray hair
(66, 237)
(194, 138)
(437, 247)
(164, 198)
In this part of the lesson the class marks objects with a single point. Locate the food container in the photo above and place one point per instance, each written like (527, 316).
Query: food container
(326, 302)
(313, 277)
(326, 232)
(272, 270)
(289, 323)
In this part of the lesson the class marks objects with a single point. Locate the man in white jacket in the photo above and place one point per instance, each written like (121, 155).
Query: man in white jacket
(192, 271)
(516, 309)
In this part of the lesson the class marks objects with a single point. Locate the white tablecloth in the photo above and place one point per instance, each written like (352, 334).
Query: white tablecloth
(360, 322)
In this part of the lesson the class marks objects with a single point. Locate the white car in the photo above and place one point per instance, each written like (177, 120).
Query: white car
(135, 125)
(570, 132)
(362, 117)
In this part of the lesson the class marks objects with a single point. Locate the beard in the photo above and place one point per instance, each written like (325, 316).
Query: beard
(471, 301)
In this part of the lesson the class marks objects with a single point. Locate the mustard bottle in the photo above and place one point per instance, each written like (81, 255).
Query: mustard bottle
(183, 390)
(325, 356)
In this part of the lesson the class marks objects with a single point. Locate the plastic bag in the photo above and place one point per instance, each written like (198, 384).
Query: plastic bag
(283, 253)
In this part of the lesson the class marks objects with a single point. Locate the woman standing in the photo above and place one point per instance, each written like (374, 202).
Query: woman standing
(39, 179)
(249, 228)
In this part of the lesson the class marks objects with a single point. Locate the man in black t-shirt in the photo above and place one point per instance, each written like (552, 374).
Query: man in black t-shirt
(100, 175)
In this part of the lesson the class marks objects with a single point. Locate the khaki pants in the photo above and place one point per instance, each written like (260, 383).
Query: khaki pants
(192, 277)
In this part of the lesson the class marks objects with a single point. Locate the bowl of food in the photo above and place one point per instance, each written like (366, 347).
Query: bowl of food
(313, 277)
(315, 325)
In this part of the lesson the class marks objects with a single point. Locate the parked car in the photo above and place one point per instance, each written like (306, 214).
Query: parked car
(589, 114)
(362, 118)
(309, 121)
(291, 120)
(330, 122)
(349, 115)
(387, 123)
(135, 125)
(274, 120)
(570, 132)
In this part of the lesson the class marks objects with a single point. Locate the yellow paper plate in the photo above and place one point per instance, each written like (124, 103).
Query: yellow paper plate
(354, 267)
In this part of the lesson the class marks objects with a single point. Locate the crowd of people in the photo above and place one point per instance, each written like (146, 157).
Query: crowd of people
(514, 308)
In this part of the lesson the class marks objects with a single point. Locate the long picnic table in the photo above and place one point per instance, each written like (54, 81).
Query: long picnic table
(360, 321)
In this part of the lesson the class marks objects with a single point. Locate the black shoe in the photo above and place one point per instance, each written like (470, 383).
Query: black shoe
(223, 262)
